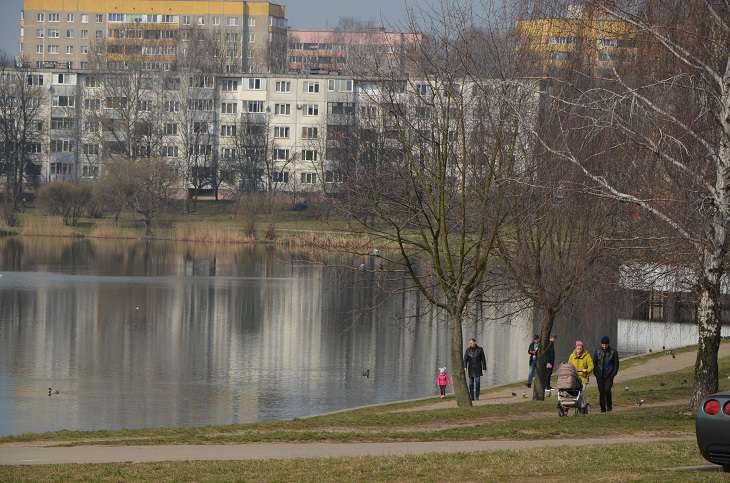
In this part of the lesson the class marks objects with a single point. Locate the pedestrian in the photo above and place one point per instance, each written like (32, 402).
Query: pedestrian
(443, 380)
(533, 349)
(549, 362)
(606, 367)
(583, 363)
(474, 365)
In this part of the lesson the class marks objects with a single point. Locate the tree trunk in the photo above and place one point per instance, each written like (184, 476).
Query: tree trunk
(540, 380)
(708, 325)
(147, 227)
(458, 375)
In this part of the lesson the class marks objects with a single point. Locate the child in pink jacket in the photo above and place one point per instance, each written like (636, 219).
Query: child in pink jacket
(443, 380)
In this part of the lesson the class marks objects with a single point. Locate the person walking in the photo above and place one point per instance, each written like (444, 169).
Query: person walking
(533, 349)
(549, 362)
(582, 361)
(443, 380)
(474, 364)
(606, 367)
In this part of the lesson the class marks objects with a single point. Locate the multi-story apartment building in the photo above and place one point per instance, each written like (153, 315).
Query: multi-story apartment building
(312, 51)
(240, 36)
(222, 132)
(579, 35)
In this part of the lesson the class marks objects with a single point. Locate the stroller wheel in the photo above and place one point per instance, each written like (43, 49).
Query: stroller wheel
(561, 411)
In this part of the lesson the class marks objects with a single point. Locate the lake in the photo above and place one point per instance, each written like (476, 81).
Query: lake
(141, 334)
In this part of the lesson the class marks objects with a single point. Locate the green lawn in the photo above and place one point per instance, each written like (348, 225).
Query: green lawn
(381, 423)
(624, 462)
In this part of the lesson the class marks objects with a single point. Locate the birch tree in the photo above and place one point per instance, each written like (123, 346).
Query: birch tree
(665, 118)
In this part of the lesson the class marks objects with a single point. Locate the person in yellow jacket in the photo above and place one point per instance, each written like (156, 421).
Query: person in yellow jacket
(582, 361)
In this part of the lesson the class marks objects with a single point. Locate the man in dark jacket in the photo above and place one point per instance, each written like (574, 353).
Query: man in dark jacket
(549, 362)
(474, 365)
(605, 368)
(533, 349)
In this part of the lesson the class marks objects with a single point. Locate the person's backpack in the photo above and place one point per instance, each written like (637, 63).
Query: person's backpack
(567, 376)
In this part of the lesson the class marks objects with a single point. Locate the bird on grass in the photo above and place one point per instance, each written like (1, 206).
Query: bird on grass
(515, 394)
(626, 388)
(639, 402)
(52, 391)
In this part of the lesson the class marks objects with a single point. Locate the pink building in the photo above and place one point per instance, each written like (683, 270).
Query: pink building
(338, 51)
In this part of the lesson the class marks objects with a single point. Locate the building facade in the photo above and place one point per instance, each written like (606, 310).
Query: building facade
(314, 51)
(76, 34)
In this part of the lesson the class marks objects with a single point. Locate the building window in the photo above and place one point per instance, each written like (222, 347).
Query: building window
(91, 149)
(53, 34)
(39, 17)
(229, 108)
(281, 154)
(280, 177)
(170, 129)
(606, 43)
(228, 130)
(201, 20)
(251, 38)
(84, 49)
(255, 106)
(84, 65)
(70, 17)
(232, 21)
(281, 132)
(604, 57)
(92, 104)
(62, 123)
(282, 109)
(99, 34)
(84, 18)
(35, 80)
(90, 171)
(185, 19)
(62, 146)
(84, 34)
(254, 84)
(115, 103)
(311, 110)
(216, 20)
(283, 86)
(349, 85)
(70, 34)
(309, 155)
(69, 49)
(99, 18)
(331, 85)
(39, 49)
(561, 40)
(53, 49)
(35, 148)
(309, 178)
(40, 33)
(54, 17)
(230, 85)
(311, 87)
(251, 22)
(656, 306)
(169, 151)
(559, 56)
(115, 17)
(332, 177)
(310, 132)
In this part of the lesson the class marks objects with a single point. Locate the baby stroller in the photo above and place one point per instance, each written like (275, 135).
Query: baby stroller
(570, 391)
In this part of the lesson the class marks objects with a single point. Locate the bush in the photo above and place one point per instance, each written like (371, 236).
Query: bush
(68, 200)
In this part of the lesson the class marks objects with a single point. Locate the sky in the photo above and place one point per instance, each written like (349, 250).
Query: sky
(301, 14)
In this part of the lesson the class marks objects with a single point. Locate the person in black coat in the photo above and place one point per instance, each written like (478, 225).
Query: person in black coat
(549, 362)
(474, 364)
(606, 363)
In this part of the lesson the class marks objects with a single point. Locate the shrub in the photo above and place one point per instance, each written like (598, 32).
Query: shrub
(68, 200)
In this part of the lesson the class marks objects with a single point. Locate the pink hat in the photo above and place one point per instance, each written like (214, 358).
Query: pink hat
(579, 343)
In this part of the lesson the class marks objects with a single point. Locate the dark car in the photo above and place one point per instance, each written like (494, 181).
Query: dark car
(713, 429)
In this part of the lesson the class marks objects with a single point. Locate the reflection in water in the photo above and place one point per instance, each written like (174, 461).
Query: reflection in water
(139, 334)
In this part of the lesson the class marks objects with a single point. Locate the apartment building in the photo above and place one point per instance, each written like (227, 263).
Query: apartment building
(312, 51)
(579, 35)
(240, 36)
(228, 132)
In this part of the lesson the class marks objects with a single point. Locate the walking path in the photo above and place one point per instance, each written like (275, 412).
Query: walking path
(26, 454)
(652, 367)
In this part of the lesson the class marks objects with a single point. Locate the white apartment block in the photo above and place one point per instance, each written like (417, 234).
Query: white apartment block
(293, 118)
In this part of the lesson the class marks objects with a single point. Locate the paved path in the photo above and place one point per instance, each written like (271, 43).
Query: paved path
(652, 367)
(26, 454)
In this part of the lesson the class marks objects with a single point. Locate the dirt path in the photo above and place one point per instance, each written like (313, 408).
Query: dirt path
(658, 365)
(22, 454)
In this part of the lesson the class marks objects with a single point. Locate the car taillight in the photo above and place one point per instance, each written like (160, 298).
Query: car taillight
(726, 409)
(712, 407)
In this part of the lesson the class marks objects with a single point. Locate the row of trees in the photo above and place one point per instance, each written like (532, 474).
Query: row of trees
(553, 178)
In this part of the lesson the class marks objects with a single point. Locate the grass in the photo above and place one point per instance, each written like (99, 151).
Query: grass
(380, 423)
(621, 462)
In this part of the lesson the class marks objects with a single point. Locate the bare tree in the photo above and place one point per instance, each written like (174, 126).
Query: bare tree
(664, 121)
(21, 132)
(436, 186)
